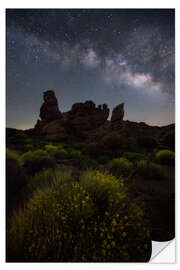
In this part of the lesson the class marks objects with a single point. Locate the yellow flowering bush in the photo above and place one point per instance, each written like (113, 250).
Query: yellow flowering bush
(92, 220)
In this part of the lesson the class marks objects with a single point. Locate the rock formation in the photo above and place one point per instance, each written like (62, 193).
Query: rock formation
(49, 110)
(52, 123)
(117, 117)
(85, 117)
(82, 118)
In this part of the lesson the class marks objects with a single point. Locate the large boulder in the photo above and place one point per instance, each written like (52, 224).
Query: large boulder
(117, 117)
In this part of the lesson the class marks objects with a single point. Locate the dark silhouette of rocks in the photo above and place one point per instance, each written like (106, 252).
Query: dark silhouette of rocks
(55, 130)
(86, 117)
(82, 118)
(49, 110)
(86, 120)
(117, 117)
(52, 123)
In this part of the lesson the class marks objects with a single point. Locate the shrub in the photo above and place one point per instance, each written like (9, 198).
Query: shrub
(114, 141)
(103, 187)
(10, 154)
(66, 224)
(75, 153)
(147, 142)
(150, 170)
(51, 149)
(133, 156)
(88, 164)
(23, 140)
(61, 154)
(49, 178)
(103, 159)
(37, 160)
(57, 152)
(169, 140)
(121, 165)
(165, 157)
(142, 167)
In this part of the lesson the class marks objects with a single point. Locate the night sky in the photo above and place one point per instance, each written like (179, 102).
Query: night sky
(108, 56)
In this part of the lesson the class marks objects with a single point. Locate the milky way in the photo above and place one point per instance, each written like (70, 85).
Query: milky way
(109, 56)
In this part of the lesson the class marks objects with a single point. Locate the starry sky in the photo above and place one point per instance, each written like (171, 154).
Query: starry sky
(105, 55)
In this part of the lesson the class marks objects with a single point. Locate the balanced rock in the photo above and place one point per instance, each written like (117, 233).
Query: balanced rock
(117, 117)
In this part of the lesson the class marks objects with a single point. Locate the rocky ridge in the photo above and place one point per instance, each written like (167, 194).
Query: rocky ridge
(79, 121)
(86, 120)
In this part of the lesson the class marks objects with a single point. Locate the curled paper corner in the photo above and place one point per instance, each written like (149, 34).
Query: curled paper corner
(163, 252)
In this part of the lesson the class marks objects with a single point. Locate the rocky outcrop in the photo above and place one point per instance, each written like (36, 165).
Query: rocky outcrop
(117, 117)
(90, 121)
(54, 130)
(49, 110)
(52, 125)
(85, 117)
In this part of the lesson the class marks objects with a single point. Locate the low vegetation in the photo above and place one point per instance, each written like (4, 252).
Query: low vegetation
(121, 166)
(37, 160)
(150, 170)
(165, 157)
(85, 221)
(114, 142)
(73, 201)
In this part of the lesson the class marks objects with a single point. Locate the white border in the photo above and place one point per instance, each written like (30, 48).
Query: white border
(73, 4)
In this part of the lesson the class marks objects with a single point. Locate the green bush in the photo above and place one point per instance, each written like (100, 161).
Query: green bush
(114, 141)
(133, 156)
(57, 152)
(61, 154)
(51, 149)
(68, 224)
(88, 164)
(121, 165)
(37, 160)
(147, 142)
(49, 178)
(103, 159)
(10, 154)
(150, 170)
(75, 153)
(165, 157)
